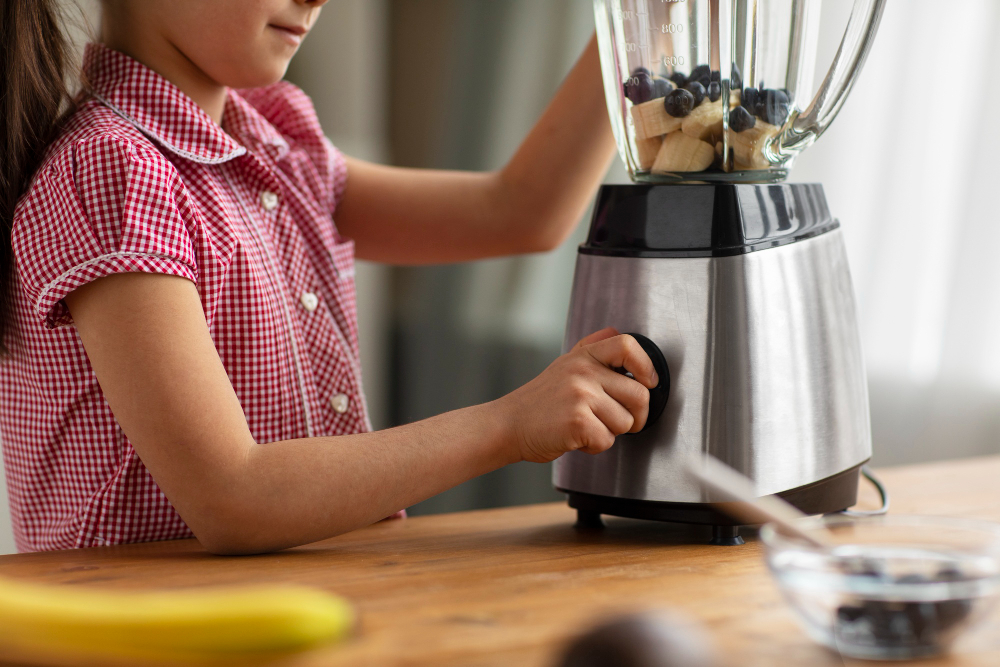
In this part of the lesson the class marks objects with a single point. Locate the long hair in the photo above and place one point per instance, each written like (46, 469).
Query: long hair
(34, 95)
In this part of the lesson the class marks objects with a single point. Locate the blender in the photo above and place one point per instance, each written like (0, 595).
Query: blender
(735, 282)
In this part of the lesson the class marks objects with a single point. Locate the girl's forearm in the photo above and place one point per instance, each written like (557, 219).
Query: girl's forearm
(422, 216)
(299, 491)
(549, 182)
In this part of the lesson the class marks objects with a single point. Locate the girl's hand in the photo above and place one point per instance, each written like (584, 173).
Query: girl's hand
(579, 402)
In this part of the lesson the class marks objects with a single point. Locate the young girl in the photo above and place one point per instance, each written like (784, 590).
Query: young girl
(178, 315)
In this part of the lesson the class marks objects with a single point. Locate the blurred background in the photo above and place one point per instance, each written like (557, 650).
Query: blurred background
(907, 168)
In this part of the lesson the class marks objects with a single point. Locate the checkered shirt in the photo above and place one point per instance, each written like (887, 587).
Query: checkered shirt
(141, 179)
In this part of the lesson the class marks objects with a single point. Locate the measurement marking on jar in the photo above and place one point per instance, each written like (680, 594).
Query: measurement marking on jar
(671, 28)
(673, 61)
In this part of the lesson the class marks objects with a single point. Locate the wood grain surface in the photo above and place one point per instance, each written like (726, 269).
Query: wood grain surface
(512, 586)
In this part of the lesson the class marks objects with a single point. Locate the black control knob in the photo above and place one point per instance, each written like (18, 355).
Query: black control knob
(657, 395)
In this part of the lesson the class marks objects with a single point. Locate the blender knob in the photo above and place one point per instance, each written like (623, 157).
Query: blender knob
(657, 395)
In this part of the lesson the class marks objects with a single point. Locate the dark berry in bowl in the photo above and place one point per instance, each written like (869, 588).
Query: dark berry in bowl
(716, 76)
(714, 91)
(697, 90)
(748, 100)
(641, 70)
(679, 78)
(741, 120)
(661, 87)
(639, 88)
(679, 103)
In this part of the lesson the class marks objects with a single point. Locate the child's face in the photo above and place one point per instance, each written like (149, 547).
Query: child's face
(236, 43)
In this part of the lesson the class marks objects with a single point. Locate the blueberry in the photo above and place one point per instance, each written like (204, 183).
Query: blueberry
(952, 612)
(748, 99)
(679, 78)
(639, 87)
(949, 573)
(702, 74)
(735, 78)
(862, 567)
(740, 119)
(714, 91)
(661, 87)
(697, 90)
(679, 103)
(716, 76)
(775, 106)
(641, 70)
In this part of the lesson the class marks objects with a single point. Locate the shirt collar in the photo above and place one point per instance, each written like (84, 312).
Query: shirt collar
(159, 109)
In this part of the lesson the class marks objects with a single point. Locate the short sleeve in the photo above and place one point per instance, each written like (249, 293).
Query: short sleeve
(96, 208)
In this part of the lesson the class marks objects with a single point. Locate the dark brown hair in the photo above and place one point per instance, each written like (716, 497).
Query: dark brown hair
(34, 95)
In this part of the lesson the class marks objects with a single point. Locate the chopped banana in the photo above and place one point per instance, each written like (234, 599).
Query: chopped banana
(748, 146)
(681, 152)
(647, 150)
(652, 120)
(705, 122)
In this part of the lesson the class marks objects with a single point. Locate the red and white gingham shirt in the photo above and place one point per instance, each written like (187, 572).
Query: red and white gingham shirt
(143, 180)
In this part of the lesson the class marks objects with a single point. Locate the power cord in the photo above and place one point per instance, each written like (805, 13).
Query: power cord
(882, 492)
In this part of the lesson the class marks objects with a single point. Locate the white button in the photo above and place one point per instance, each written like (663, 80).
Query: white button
(339, 403)
(268, 200)
(309, 301)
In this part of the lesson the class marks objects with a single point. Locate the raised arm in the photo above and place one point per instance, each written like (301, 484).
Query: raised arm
(150, 347)
(417, 216)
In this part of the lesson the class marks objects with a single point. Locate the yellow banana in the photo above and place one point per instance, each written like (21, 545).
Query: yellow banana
(681, 152)
(199, 624)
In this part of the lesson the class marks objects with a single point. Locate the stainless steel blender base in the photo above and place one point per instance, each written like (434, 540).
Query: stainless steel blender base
(760, 337)
(833, 494)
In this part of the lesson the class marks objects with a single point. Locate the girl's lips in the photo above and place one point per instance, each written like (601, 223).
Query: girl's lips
(291, 34)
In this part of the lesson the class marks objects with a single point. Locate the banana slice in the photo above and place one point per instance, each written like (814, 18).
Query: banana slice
(682, 152)
(748, 146)
(647, 150)
(652, 120)
(705, 122)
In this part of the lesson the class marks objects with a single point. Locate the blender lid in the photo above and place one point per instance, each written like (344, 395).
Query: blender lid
(711, 220)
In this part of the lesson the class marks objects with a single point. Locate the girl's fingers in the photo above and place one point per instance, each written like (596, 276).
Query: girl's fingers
(597, 336)
(615, 416)
(599, 437)
(630, 395)
(625, 352)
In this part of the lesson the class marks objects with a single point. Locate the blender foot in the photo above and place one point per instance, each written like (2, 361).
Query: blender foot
(588, 519)
(726, 536)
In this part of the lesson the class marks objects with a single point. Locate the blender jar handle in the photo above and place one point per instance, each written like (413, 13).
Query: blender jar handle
(807, 126)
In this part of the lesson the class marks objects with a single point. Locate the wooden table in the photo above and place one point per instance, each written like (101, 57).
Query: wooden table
(511, 586)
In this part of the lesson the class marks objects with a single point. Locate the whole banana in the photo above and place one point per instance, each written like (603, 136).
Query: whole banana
(196, 624)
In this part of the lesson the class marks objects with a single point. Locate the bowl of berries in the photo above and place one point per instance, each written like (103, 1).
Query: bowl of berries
(887, 587)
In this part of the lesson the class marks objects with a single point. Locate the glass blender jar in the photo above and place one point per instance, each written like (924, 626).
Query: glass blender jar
(722, 90)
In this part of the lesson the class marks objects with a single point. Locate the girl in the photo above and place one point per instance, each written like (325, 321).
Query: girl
(178, 315)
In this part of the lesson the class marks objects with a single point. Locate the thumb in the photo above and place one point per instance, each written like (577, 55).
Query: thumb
(597, 336)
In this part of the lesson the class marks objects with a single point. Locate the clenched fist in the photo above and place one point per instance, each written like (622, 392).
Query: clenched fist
(580, 403)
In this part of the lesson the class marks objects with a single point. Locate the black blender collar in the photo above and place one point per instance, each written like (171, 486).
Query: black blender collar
(710, 220)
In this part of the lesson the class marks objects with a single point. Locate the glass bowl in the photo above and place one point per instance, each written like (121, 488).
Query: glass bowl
(888, 587)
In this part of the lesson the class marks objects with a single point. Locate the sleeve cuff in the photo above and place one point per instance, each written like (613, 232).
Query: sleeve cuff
(51, 308)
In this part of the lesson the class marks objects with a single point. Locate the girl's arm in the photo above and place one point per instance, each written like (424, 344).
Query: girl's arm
(417, 216)
(150, 347)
